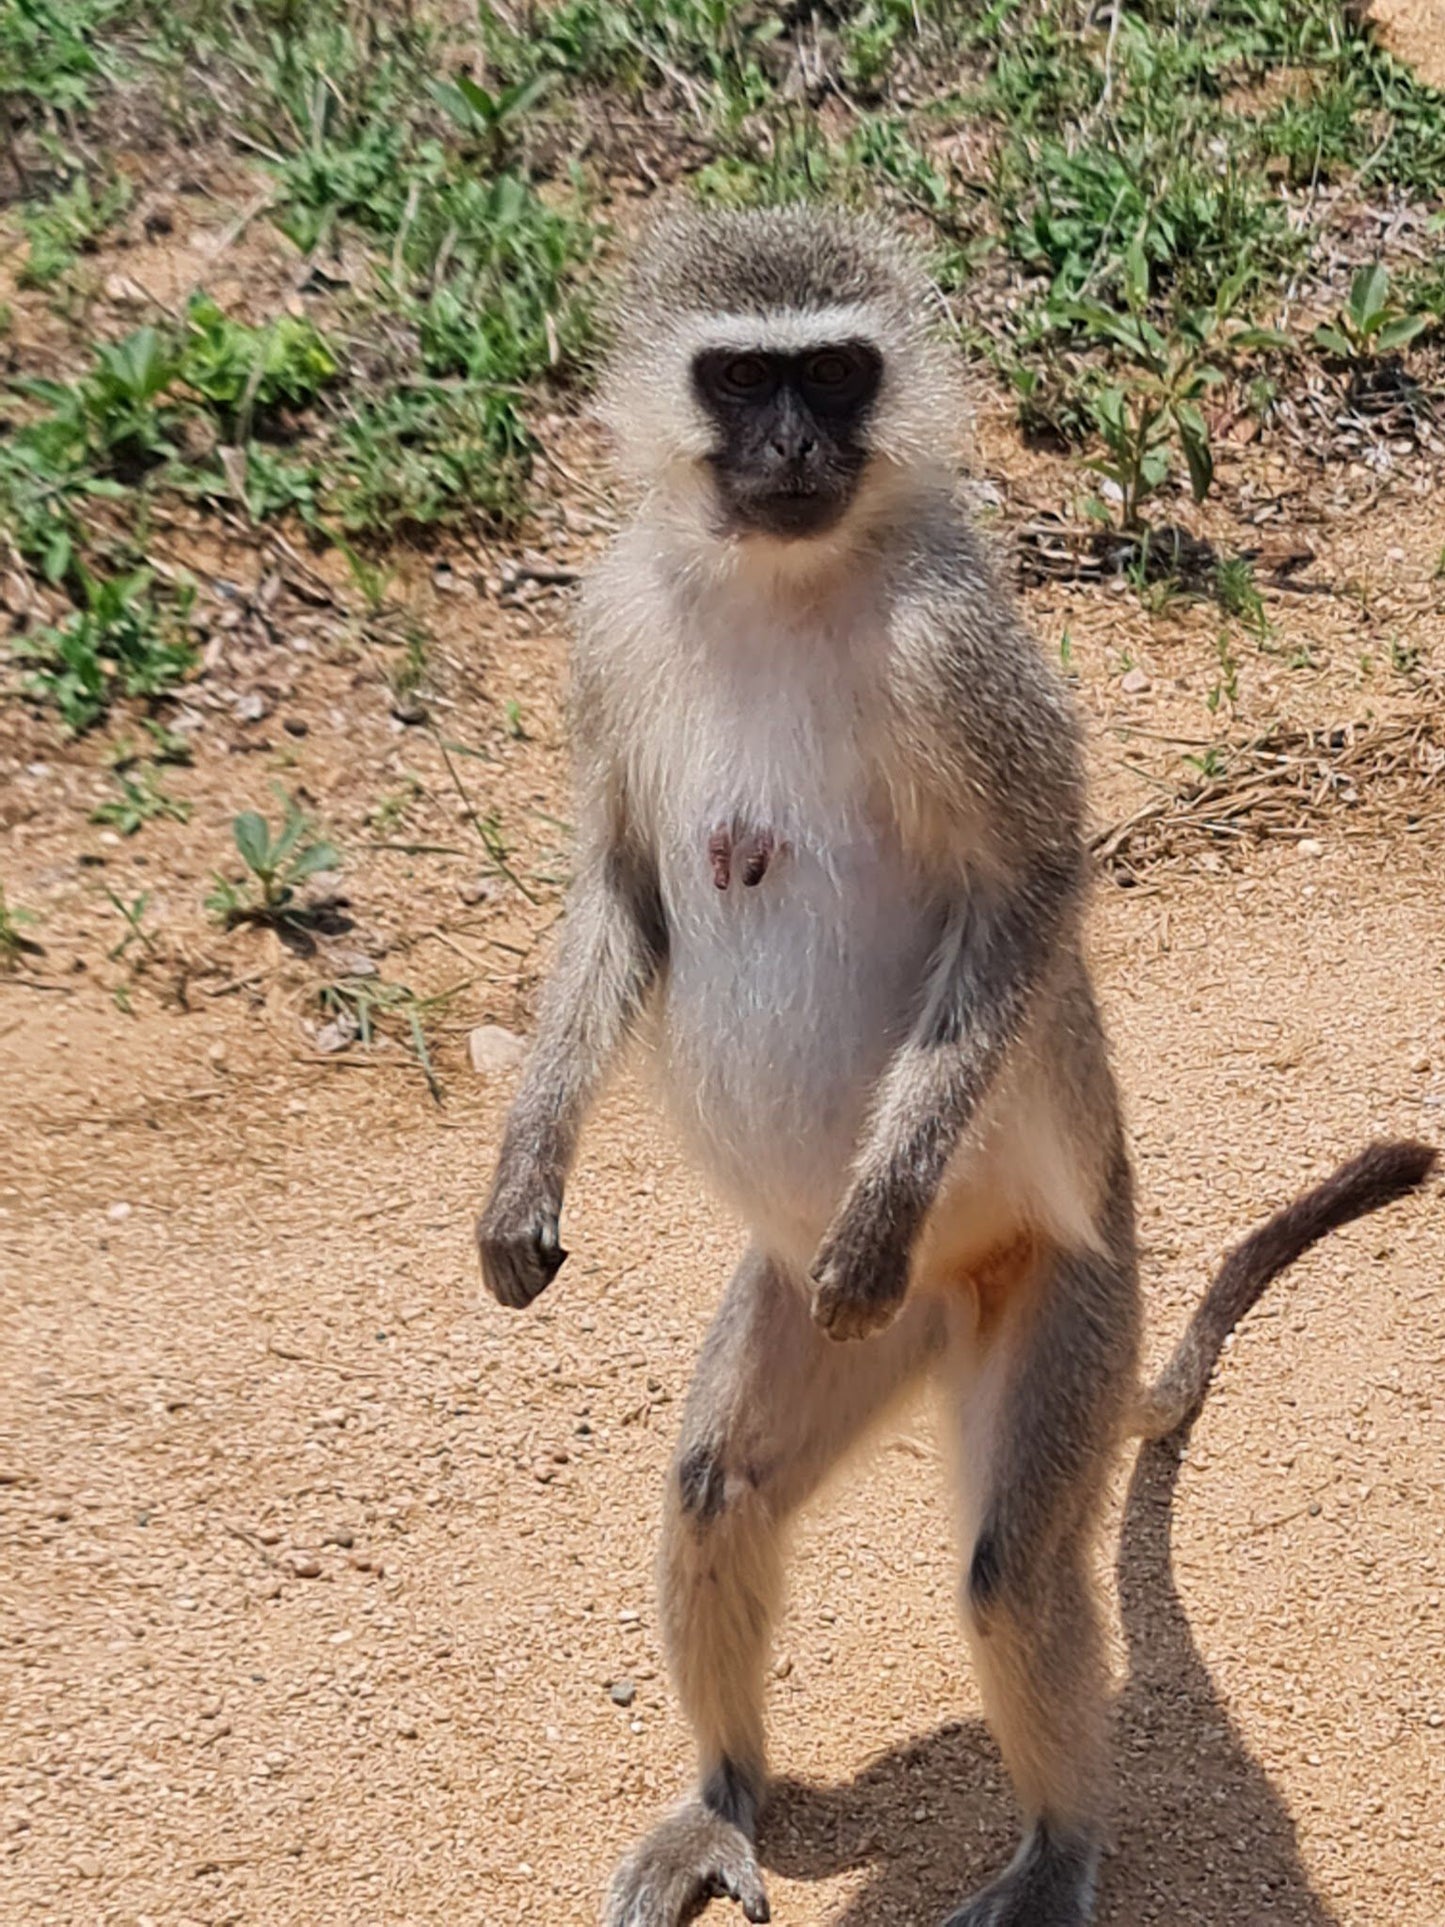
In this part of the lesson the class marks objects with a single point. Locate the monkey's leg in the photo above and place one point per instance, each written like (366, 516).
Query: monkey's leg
(1039, 1401)
(774, 1404)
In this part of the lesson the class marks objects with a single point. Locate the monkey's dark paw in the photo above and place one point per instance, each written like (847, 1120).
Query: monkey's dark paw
(1049, 1884)
(846, 1305)
(693, 1857)
(521, 1252)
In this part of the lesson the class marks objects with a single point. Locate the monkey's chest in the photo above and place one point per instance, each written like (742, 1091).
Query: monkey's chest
(797, 961)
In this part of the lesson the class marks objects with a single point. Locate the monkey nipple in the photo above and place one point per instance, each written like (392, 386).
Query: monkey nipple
(750, 850)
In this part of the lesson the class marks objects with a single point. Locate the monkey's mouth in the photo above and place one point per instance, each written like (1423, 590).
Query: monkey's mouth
(793, 513)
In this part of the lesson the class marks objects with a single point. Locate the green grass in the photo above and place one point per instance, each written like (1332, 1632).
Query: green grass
(1139, 181)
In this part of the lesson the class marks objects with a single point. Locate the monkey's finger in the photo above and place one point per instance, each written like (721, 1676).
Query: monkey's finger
(843, 1315)
(550, 1254)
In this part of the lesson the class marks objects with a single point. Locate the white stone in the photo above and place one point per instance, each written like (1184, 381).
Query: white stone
(493, 1049)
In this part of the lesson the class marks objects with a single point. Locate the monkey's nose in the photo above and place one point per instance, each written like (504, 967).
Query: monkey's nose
(793, 448)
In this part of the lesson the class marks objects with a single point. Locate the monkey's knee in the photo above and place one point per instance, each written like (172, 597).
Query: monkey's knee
(709, 1487)
(1000, 1581)
(701, 1483)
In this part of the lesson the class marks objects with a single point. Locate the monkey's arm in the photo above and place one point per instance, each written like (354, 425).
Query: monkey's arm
(613, 942)
(986, 973)
(996, 744)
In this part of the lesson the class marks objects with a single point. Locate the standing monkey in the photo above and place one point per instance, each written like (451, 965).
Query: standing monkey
(833, 869)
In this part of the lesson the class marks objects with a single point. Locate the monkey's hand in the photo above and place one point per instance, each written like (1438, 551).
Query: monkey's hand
(860, 1275)
(517, 1236)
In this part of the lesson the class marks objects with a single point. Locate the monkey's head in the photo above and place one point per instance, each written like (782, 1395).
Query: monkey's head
(778, 370)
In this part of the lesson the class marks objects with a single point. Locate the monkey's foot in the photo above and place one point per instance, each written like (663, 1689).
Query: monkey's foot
(1049, 1884)
(693, 1857)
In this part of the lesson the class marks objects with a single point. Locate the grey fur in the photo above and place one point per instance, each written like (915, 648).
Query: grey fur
(883, 1044)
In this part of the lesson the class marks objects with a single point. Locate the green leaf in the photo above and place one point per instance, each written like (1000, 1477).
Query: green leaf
(1396, 333)
(140, 366)
(466, 112)
(1261, 338)
(1194, 439)
(1153, 469)
(477, 98)
(253, 840)
(1369, 292)
(293, 828)
(1136, 274)
(1333, 342)
(316, 856)
(515, 101)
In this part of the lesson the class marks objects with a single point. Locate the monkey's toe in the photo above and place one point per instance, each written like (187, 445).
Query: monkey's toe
(692, 1857)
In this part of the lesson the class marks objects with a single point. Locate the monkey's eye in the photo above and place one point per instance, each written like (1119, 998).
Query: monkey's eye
(745, 375)
(842, 377)
(830, 368)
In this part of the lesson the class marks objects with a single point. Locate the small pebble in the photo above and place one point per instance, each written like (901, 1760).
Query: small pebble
(493, 1049)
(622, 1692)
(304, 1565)
(118, 1213)
(1135, 682)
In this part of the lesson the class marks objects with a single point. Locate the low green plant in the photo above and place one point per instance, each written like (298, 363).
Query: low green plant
(236, 368)
(1405, 656)
(1226, 688)
(424, 455)
(68, 224)
(1237, 593)
(487, 120)
(132, 914)
(1371, 323)
(277, 863)
(141, 801)
(712, 55)
(14, 922)
(1154, 413)
(126, 640)
(360, 1004)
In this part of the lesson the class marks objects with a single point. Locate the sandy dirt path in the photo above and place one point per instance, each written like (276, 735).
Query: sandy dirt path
(316, 1573)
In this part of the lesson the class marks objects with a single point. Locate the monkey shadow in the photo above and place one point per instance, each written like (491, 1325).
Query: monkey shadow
(1200, 1839)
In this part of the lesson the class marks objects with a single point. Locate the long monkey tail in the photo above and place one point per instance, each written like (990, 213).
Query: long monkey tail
(1381, 1173)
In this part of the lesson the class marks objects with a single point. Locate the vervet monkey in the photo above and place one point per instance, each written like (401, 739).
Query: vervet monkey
(832, 869)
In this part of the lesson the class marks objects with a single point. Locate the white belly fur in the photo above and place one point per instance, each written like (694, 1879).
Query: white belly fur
(782, 1006)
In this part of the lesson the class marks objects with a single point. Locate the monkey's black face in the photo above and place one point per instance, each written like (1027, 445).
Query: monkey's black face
(791, 432)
